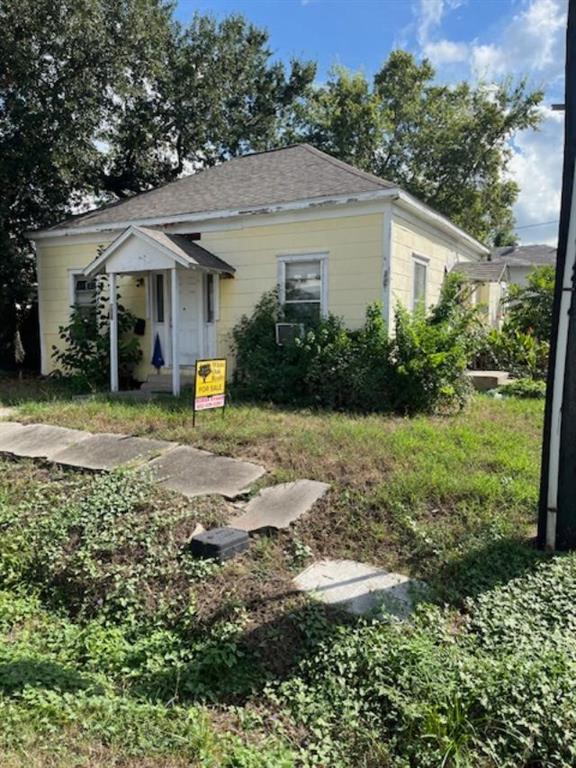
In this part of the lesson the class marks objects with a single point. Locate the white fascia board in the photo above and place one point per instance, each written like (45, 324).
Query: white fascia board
(94, 267)
(439, 221)
(316, 203)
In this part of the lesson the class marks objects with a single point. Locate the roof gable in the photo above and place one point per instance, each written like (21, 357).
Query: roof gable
(139, 249)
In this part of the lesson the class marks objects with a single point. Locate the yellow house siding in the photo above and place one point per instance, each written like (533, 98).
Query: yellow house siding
(411, 239)
(354, 248)
(54, 264)
(353, 245)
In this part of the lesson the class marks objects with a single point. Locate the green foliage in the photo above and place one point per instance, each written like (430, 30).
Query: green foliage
(446, 144)
(76, 123)
(529, 307)
(495, 689)
(421, 368)
(512, 350)
(530, 388)
(85, 354)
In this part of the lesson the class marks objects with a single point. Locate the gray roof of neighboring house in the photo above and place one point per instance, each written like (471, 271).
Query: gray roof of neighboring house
(482, 271)
(244, 183)
(189, 250)
(524, 255)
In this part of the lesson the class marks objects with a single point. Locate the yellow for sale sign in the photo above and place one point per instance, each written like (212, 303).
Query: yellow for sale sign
(210, 387)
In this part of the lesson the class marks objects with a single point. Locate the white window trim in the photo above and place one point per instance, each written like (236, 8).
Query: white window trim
(423, 261)
(73, 273)
(292, 258)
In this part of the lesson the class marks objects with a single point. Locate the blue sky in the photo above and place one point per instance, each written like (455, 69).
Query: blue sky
(465, 39)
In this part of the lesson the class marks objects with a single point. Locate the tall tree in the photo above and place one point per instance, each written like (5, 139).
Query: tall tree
(103, 98)
(448, 145)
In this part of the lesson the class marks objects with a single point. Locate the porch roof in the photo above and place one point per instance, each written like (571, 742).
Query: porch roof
(183, 251)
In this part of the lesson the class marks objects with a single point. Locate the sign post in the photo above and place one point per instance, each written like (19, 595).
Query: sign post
(209, 386)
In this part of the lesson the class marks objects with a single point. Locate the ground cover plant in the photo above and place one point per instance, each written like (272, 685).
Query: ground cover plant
(120, 649)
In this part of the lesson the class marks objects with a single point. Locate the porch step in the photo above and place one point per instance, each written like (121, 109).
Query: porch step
(162, 382)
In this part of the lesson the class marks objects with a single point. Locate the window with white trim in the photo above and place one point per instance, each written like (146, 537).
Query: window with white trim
(419, 281)
(83, 292)
(303, 292)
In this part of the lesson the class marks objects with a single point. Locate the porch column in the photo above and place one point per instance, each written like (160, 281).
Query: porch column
(175, 332)
(113, 334)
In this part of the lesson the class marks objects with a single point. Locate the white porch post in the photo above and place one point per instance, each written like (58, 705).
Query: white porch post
(113, 334)
(175, 334)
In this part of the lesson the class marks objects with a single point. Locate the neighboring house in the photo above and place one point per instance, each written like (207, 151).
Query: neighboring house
(522, 259)
(191, 257)
(490, 284)
(507, 265)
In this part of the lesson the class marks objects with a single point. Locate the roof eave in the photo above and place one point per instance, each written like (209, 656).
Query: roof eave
(443, 223)
(293, 205)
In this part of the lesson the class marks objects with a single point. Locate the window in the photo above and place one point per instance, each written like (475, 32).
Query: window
(159, 294)
(209, 299)
(420, 281)
(84, 292)
(303, 287)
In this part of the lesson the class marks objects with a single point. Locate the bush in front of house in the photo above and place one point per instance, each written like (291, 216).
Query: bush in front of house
(85, 353)
(418, 369)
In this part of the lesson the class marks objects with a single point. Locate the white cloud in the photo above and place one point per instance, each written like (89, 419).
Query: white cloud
(443, 52)
(537, 167)
(430, 14)
(531, 43)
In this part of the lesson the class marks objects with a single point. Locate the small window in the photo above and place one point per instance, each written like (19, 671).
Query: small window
(302, 289)
(159, 292)
(420, 283)
(209, 301)
(84, 292)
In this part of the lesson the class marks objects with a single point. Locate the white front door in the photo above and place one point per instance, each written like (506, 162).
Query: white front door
(189, 322)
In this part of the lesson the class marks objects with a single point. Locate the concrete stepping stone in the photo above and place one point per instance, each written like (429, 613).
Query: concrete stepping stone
(108, 451)
(279, 505)
(359, 588)
(193, 472)
(38, 441)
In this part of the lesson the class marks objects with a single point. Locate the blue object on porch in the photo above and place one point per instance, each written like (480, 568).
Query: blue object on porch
(157, 357)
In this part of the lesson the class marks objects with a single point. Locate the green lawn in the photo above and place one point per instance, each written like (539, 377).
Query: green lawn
(120, 650)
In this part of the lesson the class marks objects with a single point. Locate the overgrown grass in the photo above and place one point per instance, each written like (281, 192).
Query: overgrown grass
(449, 499)
(118, 650)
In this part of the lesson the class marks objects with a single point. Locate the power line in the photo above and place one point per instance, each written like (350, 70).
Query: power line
(540, 224)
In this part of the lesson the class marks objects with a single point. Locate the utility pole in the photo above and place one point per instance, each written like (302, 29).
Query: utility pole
(557, 508)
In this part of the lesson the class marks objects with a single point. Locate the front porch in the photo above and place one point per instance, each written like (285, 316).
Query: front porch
(183, 289)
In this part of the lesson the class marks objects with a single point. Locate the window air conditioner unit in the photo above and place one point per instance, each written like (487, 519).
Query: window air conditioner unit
(287, 332)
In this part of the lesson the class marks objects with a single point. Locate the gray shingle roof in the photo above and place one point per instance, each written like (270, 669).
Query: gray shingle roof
(482, 271)
(245, 183)
(189, 250)
(524, 255)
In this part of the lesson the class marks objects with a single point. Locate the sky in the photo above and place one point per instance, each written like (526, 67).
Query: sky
(487, 40)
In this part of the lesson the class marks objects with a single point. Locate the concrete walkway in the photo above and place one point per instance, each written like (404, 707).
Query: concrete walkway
(187, 470)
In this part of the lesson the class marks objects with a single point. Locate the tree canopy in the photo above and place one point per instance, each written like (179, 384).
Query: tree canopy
(446, 144)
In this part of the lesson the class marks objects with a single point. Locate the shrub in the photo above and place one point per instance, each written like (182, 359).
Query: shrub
(86, 352)
(529, 307)
(509, 349)
(420, 368)
(526, 388)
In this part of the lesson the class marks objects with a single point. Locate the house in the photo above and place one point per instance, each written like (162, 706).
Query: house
(490, 281)
(522, 259)
(191, 257)
(506, 265)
